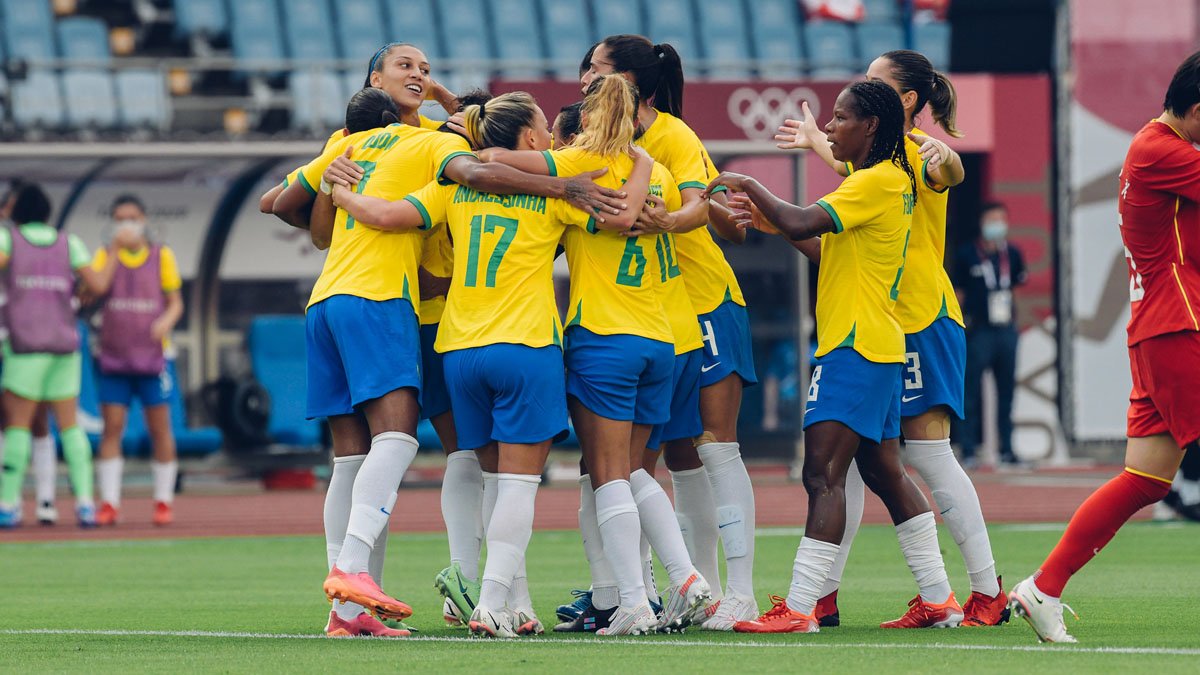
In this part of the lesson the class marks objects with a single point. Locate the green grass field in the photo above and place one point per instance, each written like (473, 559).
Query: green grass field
(251, 605)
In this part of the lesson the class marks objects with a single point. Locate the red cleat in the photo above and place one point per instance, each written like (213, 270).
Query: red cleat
(980, 610)
(827, 611)
(923, 614)
(106, 515)
(363, 625)
(362, 589)
(162, 514)
(779, 619)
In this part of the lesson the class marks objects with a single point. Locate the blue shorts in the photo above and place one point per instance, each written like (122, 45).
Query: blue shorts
(935, 368)
(435, 400)
(507, 393)
(621, 377)
(863, 395)
(151, 390)
(685, 402)
(359, 350)
(727, 345)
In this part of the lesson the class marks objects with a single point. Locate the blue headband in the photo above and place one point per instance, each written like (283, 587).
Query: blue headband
(382, 50)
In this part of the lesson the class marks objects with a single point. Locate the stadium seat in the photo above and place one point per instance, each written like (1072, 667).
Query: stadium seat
(673, 22)
(193, 441)
(318, 100)
(37, 100)
(200, 17)
(831, 49)
(276, 346)
(142, 95)
(885, 11)
(775, 35)
(517, 35)
(360, 28)
(567, 35)
(89, 99)
(28, 29)
(308, 27)
(617, 17)
(725, 39)
(875, 38)
(83, 38)
(464, 36)
(933, 40)
(415, 22)
(255, 31)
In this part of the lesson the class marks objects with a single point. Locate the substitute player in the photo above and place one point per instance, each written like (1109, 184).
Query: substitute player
(1159, 216)
(935, 351)
(854, 392)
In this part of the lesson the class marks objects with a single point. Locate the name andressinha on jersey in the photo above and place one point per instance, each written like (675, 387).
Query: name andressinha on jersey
(532, 203)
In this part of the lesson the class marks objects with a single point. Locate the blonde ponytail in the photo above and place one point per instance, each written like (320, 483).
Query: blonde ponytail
(608, 113)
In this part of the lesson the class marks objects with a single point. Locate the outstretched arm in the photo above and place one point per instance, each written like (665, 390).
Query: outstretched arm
(942, 164)
(793, 222)
(803, 134)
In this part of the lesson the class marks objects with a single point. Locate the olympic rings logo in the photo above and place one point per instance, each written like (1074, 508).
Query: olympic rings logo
(759, 114)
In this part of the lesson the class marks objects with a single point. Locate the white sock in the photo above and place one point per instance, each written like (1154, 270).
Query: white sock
(374, 497)
(108, 473)
(604, 582)
(697, 516)
(491, 482)
(462, 510)
(919, 544)
(164, 480)
(647, 565)
(813, 560)
(617, 517)
(856, 493)
(734, 497)
(336, 515)
(518, 594)
(958, 503)
(45, 468)
(508, 536)
(659, 526)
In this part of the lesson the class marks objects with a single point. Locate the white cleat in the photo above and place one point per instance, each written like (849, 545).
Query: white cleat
(47, 513)
(637, 621)
(491, 623)
(526, 622)
(685, 603)
(1043, 613)
(451, 615)
(734, 607)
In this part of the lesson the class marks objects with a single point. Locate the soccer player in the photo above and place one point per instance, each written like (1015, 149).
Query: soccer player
(854, 390)
(42, 362)
(141, 303)
(709, 477)
(1159, 216)
(501, 336)
(935, 351)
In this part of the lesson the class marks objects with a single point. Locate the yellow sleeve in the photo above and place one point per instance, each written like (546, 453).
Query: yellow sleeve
(446, 147)
(857, 201)
(432, 202)
(432, 125)
(563, 212)
(169, 270)
(101, 259)
(663, 177)
(685, 159)
(309, 175)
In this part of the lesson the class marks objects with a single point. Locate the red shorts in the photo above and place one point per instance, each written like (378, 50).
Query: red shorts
(1166, 387)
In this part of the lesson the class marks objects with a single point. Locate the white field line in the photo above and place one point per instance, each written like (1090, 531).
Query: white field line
(797, 644)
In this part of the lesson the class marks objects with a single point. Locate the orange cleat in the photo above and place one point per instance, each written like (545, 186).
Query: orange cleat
(362, 589)
(923, 614)
(827, 611)
(107, 515)
(363, 625)
(980, 610)
(163, 514)
(779, 619)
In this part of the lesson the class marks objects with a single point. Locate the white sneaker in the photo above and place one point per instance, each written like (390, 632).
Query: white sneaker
(526, 622)
(1042, 612)
(47, 513)
(491, 623)
(734, 607)
(637, 621)
(685, 603)
(451, 615)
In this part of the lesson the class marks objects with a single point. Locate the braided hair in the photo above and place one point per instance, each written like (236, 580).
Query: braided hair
(878, 100)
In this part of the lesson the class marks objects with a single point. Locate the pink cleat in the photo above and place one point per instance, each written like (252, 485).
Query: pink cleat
(362, 589)
(363, 625)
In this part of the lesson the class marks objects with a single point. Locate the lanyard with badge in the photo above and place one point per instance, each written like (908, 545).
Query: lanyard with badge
(999, 286)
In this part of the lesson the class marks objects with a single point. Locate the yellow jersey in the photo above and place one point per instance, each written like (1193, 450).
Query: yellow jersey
(685, 329)
(709, 279)
(862, 263)
(437, 257)
(168, 267)
(369, 263)
(336, 137)
(502, 285)
(614, 278)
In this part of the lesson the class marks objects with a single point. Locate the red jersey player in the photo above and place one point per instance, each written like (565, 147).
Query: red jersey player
(1159, 207)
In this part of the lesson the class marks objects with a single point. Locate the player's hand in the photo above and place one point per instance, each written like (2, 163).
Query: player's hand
(654, 218)
(458, 124)
(736, 182)
(586, 195)
(342, 171)
(341, 196)
(638, 152)
(747, 215)
(486, 155)
(160, 328)
(933, 151)
(798, 134)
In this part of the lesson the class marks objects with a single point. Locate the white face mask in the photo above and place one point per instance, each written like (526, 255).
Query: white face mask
(135, 227)
(994, 230)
